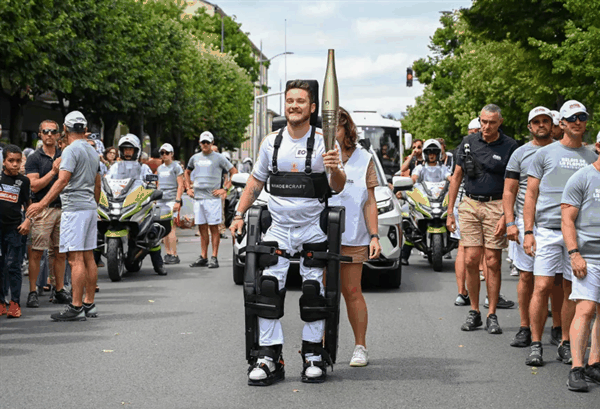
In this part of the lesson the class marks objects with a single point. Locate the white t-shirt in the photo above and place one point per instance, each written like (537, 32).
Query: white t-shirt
(291, 211)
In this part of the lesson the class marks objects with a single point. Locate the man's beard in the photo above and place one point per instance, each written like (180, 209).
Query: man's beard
(548, 135)
(296, 122)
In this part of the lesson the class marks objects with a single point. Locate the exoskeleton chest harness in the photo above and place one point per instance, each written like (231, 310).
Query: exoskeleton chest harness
(307, 185)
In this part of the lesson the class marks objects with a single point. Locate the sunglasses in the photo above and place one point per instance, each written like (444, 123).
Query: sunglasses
(205, 142)
(573, 118)
(49, 131)
(164, 153)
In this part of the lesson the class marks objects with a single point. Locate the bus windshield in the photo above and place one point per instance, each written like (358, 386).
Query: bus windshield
(384, 141)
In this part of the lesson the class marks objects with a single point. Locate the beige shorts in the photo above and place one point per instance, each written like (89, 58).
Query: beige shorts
(359, 254)
(477, 224)
(45, 231)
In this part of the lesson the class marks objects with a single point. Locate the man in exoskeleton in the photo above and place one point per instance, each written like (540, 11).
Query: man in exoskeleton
(292, 167)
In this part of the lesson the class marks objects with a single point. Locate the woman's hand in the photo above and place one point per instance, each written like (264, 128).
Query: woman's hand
(374, 248)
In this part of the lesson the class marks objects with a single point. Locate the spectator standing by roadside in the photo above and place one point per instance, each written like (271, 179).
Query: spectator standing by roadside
(203, 178)
(360, 239)
(155, 160)
(580, 206)
(515, 185)
(170, 181)
(110, 156)
(550, 169)
(42, 171)
(14, 194)
(482, 160)
(415, 158)
(79, 185)
(557, 131)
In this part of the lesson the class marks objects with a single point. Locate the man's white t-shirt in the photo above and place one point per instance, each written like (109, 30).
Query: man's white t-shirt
(291, 211)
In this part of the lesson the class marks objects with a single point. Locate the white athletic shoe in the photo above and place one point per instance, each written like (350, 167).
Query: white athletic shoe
(258, 374)
(360, 357)
(313, 371)
(514, 272)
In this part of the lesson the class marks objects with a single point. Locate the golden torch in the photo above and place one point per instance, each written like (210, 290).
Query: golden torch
(331, 103)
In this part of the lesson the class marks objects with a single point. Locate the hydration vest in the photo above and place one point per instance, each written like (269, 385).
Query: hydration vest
(307, 185)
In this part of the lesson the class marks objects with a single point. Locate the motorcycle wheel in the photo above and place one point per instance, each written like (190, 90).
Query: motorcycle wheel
(115, 260)
(134, 266)
(437, 249)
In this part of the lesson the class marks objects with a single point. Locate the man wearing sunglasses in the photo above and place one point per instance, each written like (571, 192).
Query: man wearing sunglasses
(42, 170)
(203, 179)
(170, 181)
(550, 169)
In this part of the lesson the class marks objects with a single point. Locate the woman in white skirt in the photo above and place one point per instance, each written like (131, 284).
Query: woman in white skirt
(360, 240)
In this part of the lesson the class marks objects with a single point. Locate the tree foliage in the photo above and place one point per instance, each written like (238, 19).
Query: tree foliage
(135, 62)
(513, 53)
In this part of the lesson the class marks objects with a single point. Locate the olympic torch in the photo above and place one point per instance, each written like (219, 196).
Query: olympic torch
(331, 103)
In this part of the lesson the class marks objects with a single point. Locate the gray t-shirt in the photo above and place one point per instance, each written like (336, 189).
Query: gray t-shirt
(167, 180)
(82, 161)
(553, 165)
(583, 192)
(519, 163)
(207, 171)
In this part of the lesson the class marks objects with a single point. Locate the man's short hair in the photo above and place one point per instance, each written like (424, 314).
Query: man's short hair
(48, 121)
(417, 140)
(494, 109)
(11, 149)
(299, 84)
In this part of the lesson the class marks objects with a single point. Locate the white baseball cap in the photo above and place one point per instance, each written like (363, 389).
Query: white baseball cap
(598, 138)
(474, 124)
(166, 147)
(540, 111)
(555, 117)
(572, 107)
(206, 136)
(75, 121)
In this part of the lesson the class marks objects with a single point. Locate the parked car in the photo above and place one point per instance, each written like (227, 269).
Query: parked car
(385, 270)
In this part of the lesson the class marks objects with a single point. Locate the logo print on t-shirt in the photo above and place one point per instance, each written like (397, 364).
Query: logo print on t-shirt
(572, 163)
(295, 167)
(597, 195)
(301, 153)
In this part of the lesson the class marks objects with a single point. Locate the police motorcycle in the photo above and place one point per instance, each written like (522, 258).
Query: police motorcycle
(425, 212)
(131, 223)
(262, 297)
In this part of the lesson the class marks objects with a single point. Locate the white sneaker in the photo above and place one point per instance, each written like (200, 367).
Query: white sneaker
(258, 374)
(313, 371)
(360, 357)
(514, 272)
(481, 276)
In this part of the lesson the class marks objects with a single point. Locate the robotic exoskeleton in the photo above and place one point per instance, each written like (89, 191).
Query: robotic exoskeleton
(262, 294)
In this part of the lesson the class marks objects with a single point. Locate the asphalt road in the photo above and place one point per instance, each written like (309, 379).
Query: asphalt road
(177, 342)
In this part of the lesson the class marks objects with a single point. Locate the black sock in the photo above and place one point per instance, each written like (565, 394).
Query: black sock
(76, 308)
(88, 305)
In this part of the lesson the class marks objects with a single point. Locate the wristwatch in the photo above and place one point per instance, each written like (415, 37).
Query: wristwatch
(528, 232)
(178, 201)
(511, 224)
(573, 251)
(375, 236)
(237, 213)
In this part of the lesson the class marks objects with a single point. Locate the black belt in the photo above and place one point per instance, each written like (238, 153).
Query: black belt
(484, 198)
(55, 205)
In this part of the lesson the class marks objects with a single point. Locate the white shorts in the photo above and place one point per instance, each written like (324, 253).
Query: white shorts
(207, 211)
(456, 233)
(520, 259)
(171, 205)
(587, 288)
(78, 231)
(551, 256)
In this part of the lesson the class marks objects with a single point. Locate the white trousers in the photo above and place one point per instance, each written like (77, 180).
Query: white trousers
(291, 240)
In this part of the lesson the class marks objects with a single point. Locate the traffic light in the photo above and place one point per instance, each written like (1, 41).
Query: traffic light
(409, 77)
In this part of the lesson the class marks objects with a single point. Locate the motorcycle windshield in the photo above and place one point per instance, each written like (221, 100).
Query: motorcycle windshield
(121, 186)
(435, 189)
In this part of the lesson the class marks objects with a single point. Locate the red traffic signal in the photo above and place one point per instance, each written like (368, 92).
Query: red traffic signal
(409, 77)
